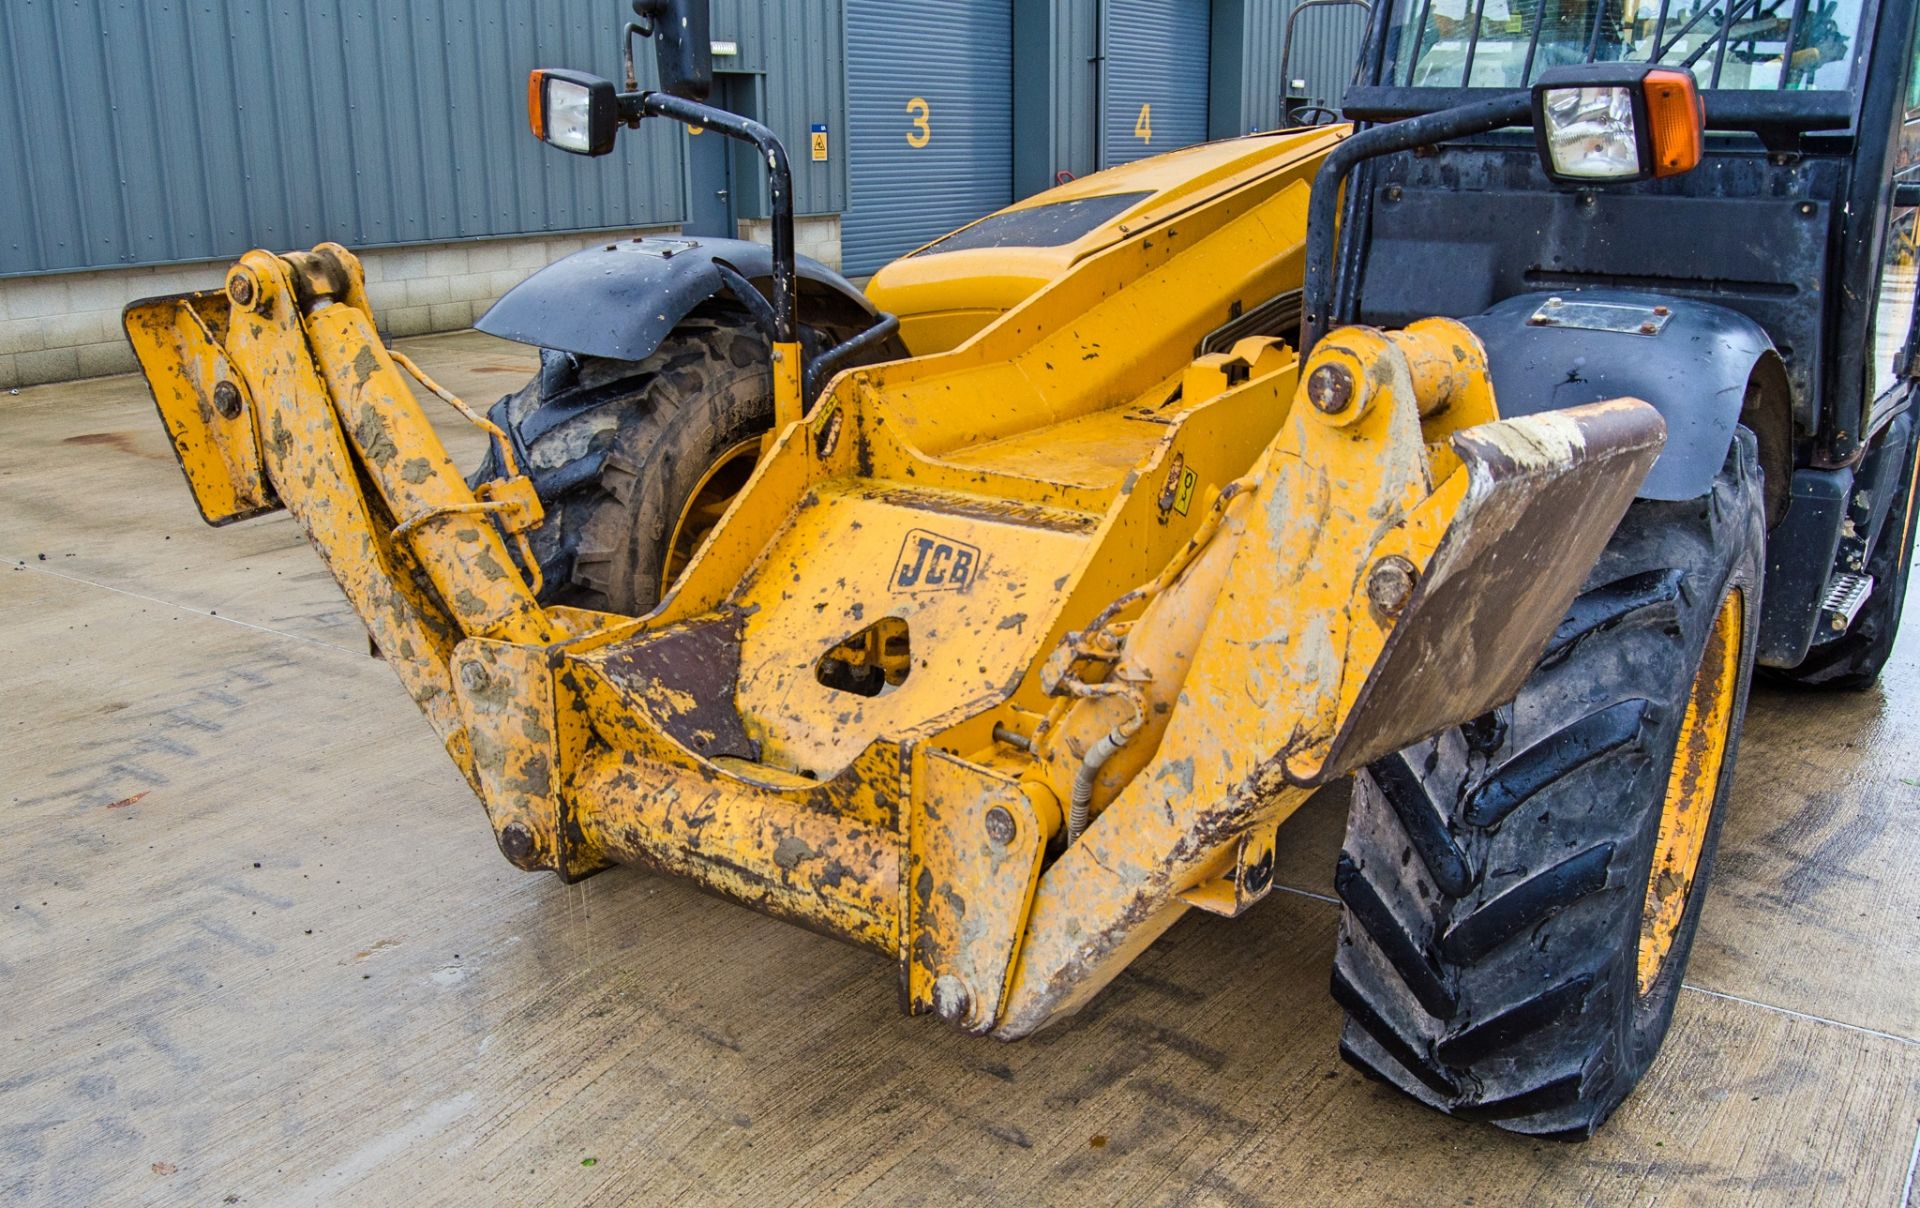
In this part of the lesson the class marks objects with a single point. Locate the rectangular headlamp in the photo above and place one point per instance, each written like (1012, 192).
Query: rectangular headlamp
(573, 111)
(1613, 123)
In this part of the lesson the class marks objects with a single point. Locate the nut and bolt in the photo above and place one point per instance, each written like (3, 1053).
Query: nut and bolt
(1331, 389)
(1000, 827)
(1649, 328)
(1390, 585)
(474, 676)
(242, 289)
(226, 400)
(516, 842)
(951, 999)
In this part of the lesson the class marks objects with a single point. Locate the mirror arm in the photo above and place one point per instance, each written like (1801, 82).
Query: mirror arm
(1323, 205)
(786, 326)
(634, 30)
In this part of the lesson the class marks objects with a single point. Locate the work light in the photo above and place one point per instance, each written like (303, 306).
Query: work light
(1611, 123)
(573, 111)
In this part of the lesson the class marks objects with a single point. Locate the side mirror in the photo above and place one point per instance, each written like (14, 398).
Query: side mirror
(1613, 123)
(682, 33)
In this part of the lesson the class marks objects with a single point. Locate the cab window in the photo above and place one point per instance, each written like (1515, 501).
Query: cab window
(1893, 313)
(1793, 45)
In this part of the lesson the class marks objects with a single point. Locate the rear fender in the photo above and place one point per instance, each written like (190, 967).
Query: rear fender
(1695, 367)
(620, 299)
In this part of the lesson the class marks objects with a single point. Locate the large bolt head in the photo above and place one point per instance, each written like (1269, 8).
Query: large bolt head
(242, 289)
(1331, 389)
(226, 400)
(516, 844)
(1390, 585)
(951, 999)
(1000, 827)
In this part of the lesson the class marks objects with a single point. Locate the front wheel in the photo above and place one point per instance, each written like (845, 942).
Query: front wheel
(636, 462)
(1521, 893)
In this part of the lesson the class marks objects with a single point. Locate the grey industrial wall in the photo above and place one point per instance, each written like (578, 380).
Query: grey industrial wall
(1059, 47)
(147, 142)
(166, 131)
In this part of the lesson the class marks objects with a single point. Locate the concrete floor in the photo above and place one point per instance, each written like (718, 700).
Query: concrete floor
(257, 946)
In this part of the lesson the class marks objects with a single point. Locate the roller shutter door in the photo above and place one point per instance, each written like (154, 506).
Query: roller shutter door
(930, 133)
(1156, 77)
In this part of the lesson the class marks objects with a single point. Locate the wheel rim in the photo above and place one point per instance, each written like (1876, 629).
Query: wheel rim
(1699, 760)
(707, 503)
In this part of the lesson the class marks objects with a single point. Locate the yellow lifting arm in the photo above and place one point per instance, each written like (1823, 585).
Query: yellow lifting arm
(1131, 605)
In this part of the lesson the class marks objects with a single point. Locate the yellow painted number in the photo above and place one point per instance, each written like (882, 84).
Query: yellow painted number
(1143, 129)
(922, 132)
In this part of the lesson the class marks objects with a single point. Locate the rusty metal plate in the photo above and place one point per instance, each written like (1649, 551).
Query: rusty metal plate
(1624, 318)
(1545, 494)
(973, 859)
(203, 402)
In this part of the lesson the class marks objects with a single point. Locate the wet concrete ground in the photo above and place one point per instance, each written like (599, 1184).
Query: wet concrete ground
(257, 946)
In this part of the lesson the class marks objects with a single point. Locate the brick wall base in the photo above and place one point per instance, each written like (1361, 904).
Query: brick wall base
(815, 235)
(57, 328)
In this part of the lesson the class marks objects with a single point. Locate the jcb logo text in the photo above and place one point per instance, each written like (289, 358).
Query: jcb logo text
(931, 562)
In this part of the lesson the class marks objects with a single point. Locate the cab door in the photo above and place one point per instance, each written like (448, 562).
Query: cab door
(1894, 356)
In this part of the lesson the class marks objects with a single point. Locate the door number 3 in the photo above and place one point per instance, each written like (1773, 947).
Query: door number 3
(922, 132)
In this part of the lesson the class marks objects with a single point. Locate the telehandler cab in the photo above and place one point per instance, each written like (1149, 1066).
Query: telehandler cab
(994, 619)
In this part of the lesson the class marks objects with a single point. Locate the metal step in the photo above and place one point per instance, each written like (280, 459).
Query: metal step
(1846, 595)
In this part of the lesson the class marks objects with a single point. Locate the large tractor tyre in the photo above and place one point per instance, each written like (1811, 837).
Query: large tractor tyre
(1853, 663)
(1521, 893)
(636, 462)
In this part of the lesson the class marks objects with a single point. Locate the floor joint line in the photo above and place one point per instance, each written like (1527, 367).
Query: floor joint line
(1308, 893)
(1838, 1023)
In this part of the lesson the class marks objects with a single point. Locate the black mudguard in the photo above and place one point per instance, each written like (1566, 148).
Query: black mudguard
(1694, 368)
(620, 299)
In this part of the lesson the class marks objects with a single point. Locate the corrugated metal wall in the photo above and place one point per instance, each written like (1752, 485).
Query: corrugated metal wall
(1057, 65)
(931, 133)
(1156, 61)
(797, 50)
(1326, 48)
(161, 131)
(1056, 90)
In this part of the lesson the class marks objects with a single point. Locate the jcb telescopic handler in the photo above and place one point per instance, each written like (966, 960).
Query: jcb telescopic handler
(996, 618)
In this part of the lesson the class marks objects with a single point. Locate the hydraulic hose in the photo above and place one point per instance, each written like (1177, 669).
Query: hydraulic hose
(1080, 803)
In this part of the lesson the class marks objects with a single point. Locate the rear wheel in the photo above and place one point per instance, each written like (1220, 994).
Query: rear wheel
(1521, 893)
